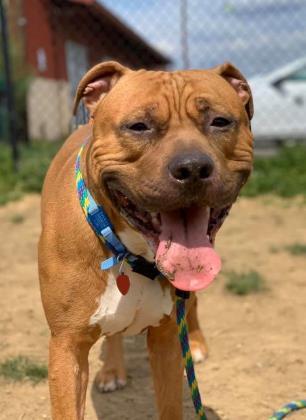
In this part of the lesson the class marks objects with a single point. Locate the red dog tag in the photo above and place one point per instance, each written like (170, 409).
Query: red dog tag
(123, 283)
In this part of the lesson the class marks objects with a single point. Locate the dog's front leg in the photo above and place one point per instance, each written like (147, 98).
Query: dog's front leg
(112, 375)
(167, 369)
(68, 376)
(197, 341)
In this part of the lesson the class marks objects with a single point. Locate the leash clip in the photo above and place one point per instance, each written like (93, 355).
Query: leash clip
(182, 294)
(112, 261)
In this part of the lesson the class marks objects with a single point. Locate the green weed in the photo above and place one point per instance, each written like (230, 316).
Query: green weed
(17, 219)
(22, 368)
(283, 175)
(34, 161)
(296, 249)
(244, 283)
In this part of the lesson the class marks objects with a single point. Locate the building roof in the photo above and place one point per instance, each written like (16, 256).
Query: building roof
(104, 14)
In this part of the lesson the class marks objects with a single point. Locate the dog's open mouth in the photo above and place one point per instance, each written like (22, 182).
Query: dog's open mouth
(182, 240)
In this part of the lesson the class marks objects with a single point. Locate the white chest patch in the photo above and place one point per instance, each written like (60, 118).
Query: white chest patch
(144, 305)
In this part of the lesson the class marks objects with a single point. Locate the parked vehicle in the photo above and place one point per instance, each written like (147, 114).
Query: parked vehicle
(280, 103)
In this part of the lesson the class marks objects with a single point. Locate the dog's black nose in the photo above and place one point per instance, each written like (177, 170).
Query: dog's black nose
(191, 167)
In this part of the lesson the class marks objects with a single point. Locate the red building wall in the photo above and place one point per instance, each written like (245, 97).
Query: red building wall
(41, 34)
(50, 23)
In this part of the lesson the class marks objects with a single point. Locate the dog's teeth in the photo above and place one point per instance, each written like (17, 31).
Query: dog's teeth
(155, 221)
(154, 217)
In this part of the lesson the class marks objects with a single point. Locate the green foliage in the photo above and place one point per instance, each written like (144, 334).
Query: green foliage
(283, 174)
(21, 368)
(297, 249)
(34, 162)
(21, 78)
(244, 283)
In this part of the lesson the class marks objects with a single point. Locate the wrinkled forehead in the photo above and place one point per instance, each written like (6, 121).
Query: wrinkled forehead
(160, 91)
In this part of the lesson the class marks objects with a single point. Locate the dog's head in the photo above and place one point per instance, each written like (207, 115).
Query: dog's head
(171, 150)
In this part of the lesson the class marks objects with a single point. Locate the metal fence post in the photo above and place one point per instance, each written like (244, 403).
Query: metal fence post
(184, 33)
(8, 87)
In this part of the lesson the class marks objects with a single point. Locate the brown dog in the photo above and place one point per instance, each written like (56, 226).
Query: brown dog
(166, 155)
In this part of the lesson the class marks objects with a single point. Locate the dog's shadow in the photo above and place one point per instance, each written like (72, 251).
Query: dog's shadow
(136, 400)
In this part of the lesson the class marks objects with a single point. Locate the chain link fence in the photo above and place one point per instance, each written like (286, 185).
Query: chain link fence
(54, 42)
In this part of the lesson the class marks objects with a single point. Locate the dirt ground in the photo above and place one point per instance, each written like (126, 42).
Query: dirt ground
(257, 343)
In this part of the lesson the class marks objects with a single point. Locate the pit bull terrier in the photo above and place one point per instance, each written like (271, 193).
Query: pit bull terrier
(165, 154)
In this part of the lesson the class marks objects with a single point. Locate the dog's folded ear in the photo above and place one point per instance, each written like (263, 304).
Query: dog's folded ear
(96, 83)
(239, 83)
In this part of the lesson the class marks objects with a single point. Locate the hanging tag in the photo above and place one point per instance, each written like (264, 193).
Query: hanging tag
(123, 283)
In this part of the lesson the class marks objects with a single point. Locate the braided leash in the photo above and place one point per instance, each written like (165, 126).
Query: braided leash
(188, 362)
(287, 409)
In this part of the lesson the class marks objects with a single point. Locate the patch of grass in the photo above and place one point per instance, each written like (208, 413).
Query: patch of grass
(283, 174)
(296, 249)
(244, 283)
(17, 219)
(34, 161)
(22, 368)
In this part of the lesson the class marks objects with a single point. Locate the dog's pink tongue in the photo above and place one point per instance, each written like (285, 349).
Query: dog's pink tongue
(185, 255)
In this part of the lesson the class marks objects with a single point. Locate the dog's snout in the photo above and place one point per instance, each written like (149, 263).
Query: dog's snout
(191, 167)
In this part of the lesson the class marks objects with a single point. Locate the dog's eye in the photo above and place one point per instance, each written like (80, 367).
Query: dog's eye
(139, 127)
(220, 122)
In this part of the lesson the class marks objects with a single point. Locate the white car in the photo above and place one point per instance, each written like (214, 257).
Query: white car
(280, 103)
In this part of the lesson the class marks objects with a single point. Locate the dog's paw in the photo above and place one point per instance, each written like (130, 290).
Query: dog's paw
(198, 347)
(198, 355)
(108, 382)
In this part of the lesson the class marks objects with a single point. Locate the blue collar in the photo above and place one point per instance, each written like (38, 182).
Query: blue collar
(103, 228)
